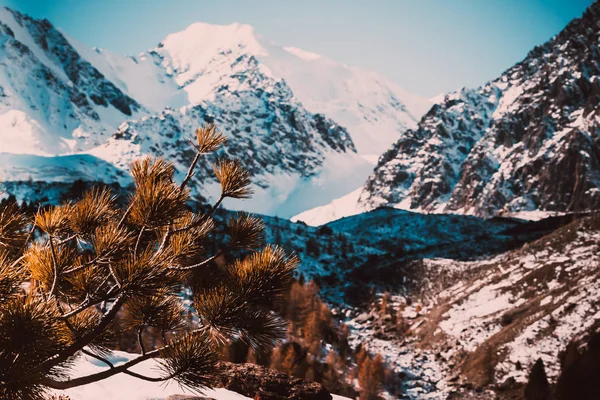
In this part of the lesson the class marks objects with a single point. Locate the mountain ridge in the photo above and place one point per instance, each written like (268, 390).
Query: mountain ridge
(502, 147)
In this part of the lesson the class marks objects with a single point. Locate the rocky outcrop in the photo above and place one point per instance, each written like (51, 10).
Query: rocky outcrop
(528, 140)
(261, 383)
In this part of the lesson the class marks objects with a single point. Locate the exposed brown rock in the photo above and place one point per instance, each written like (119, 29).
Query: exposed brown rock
(262, 383)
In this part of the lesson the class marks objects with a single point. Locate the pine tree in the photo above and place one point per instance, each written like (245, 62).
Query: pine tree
(386, 306)
(537, 387)
(276, 359)
(312, 334)
(401, 324)
(580, 374)
(332, 377)
(289, 363)
(96, 270)
(311, 374)
(370, 377)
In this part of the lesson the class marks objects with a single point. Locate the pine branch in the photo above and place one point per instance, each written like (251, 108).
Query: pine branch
(190, 267)
(190, 172)
(127, 372)
(139, 238)
(84, 340)
(125, 215)
(85, 380)
(89, 301)
(54, 267)
(82, 266)
(204, 218)
(123, 368)
(66, 240)
(97, 357)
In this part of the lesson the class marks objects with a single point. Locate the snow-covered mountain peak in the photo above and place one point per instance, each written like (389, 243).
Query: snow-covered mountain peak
(190, 52)
(204, 57)
(52, 100)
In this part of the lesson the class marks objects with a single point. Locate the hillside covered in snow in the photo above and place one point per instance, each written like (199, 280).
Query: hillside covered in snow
(474, 328)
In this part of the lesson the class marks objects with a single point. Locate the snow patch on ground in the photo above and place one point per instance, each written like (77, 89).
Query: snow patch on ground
(126, 387)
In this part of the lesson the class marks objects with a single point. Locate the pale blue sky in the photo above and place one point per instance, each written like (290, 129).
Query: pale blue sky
(426, 46)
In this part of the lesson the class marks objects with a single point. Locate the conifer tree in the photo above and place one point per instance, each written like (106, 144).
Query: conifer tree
(580, 375)
(276, 358)
(312, 334)
(333, 377)
(79, 275)
(370, 376)
(386, 306)
(537, 387)
(289, 363)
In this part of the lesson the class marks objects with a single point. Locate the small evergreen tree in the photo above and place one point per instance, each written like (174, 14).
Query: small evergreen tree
(537, 387)
(313, 248)
(289, 363)
(386, 306)
(312, 334)
(97, 270)
(580, 374)
(370, 376)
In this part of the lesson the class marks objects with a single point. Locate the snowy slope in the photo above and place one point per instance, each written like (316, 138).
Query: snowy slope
(477, 325)
(344, 206)
(123, 386)
(126, 387)
(525, 141)
(52, 101)
(141, 77)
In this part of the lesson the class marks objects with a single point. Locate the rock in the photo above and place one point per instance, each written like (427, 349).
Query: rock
(187, 397)
(507, 384)
(362, 318)
(262, 383)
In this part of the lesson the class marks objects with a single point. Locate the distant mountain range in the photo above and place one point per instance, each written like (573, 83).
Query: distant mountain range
(307, 128)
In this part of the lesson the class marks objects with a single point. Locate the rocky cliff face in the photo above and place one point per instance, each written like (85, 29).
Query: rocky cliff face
(473, 327)
(528, 140)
